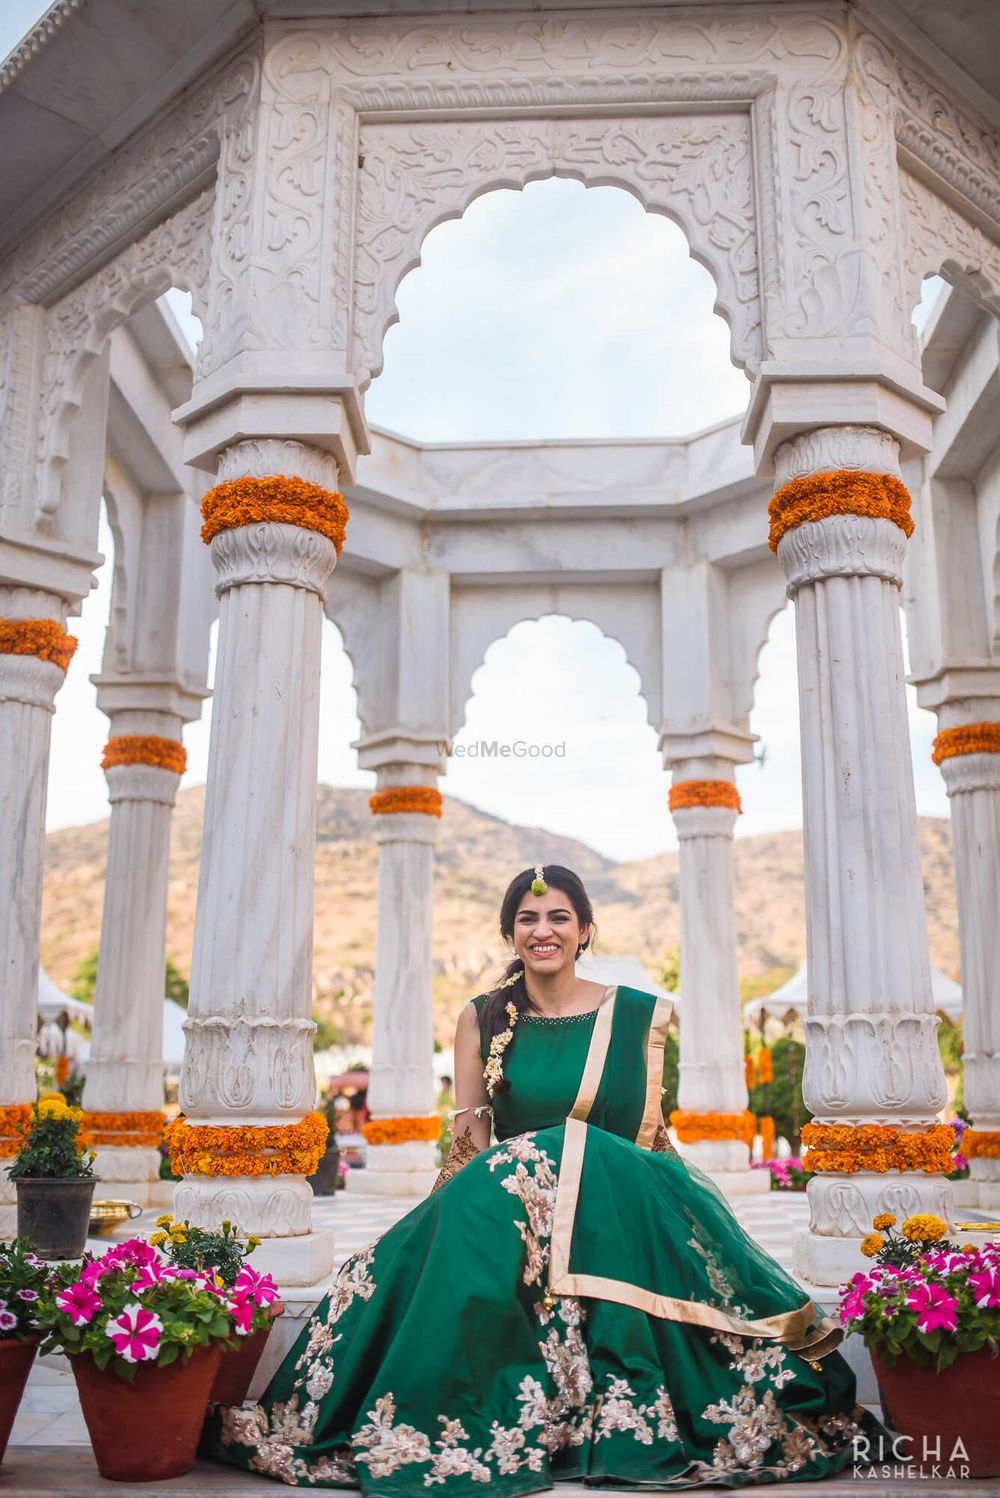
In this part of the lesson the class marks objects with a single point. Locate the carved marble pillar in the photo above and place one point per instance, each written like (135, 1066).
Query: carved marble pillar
(123, 1095)
(35, 651)
(712, 1093)
(839, 525)
(407, 809)
(968, 751)
(249, 1031)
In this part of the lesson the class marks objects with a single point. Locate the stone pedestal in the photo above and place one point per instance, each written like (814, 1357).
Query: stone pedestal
(871, 1047)
(402, 1075)
(973, 782)
(28, 686)
(249, 1031)
(711, 1078)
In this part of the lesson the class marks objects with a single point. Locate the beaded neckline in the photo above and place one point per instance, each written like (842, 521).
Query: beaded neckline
(559, 1019)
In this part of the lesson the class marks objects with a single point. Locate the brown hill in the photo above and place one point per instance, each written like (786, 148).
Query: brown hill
(636, 903)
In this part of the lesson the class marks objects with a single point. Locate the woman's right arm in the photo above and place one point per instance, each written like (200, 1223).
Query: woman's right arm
(470, 1130)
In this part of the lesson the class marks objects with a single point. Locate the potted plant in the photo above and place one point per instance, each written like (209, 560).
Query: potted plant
(55, 1180)
(929, 1313)
(225, 1253)
(326, 1178)
(144, 1338)
(23, 1277)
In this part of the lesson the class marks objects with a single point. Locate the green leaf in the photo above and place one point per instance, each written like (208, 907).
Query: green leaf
(168, 1354)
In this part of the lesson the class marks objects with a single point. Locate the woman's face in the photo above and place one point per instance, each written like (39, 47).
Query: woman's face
(547, 932)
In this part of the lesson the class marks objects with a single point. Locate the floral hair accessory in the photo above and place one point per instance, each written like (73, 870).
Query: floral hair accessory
(538, 885)
(493, 1070)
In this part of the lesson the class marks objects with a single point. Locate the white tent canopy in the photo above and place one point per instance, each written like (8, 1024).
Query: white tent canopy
(790, 999)
(628, 971)
(52, 1001)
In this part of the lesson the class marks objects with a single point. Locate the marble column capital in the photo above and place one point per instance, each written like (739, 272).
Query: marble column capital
(704, 821)
(842, 546)
(865, 449)
(266, 552)
(963, 773)
(142, 783)
(28, 680)
(259, 457)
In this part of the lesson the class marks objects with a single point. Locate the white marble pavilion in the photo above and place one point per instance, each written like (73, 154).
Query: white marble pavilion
(283, 162)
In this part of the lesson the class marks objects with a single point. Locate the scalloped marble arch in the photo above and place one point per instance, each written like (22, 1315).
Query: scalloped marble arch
(477, 625)
(695, 169)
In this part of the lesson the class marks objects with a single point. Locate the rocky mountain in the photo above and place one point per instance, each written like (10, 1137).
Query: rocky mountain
(636, 903)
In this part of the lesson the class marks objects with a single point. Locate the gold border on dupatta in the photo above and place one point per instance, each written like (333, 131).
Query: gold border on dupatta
(789, 1327)
(652, 1112)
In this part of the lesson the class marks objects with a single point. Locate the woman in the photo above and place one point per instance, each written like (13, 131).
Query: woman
(575, 1302)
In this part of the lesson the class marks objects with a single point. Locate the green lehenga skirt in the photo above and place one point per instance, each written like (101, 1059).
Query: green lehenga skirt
(570, 1306)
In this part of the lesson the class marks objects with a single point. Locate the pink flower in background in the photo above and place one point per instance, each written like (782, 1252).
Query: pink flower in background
(80, 1302)
(27, 1294)
(934, 1306)
(135, 1334)
(149, 1276)
(133, 1252)
(8, 1321)
(958, 1161)
(852, 1305)
(986, 1286)
(259, 1288)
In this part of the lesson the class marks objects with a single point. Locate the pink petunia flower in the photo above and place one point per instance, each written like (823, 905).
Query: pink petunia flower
(934, 1306)
(241, 1309)
(260, 1288)
(986, 1286)
(133, 1253)
(8, 1321)
(135, 1334)
(149, 1276)
(80, 1302)
(27, 1294)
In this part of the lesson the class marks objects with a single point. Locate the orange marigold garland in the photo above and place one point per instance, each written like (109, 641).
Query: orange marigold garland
(748, 1071)
(402, 1130)
(693, 1128)
(846, 1149)
(242, 1150)
(880, 496)
(970, 738)
(983, 1144)
(765, 1066)
(136, 1130)
(44, 638)
(282, 500)
(14, 1118)
(145, 749)
(403, 798)
(766, 1125)
(704, 793)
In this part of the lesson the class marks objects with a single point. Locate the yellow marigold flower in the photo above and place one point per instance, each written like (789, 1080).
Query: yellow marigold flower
(969, 1248)
(164, 1221)
(871, 1244)
(178, 1235)
(157, 1239)
(924, 1227)
(253, 1243)
(53, 1107)
(884, 1220)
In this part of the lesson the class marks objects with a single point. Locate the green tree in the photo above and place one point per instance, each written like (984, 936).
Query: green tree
(668, 970)
(327, 1034)
(85, 979)
(175, 985)
(782, 1098)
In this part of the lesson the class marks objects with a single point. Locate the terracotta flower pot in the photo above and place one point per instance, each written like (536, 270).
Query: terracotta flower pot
(962, 1403)
(54, 1214)
(326, 1177)
(238, 1367)
(149, 1430)
(16, 1357)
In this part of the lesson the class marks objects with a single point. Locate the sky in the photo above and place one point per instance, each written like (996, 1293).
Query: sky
(558, 311)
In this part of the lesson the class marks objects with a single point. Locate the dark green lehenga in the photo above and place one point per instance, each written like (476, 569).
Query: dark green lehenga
(574, 1304)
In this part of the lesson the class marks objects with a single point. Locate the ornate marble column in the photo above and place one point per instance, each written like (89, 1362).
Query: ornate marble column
(968, 751)
(249, 1078)
(404, 1126)
(123, 1095)
(35, 652)
(839, 523)
(714, 1127)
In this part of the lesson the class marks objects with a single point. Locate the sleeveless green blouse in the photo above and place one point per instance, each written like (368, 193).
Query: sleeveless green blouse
(544, 1064)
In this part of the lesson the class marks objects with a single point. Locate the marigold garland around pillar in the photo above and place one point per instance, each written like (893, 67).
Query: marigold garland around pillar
(704, 793)
(879, 496)
(846, 1148)
(242, 1150)
(44, 638)
(145, 749)
(398, 799)
(278, 499)
(967, 738)
(402, 1130)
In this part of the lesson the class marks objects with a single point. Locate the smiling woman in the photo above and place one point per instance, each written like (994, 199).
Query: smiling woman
(576, 1301)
